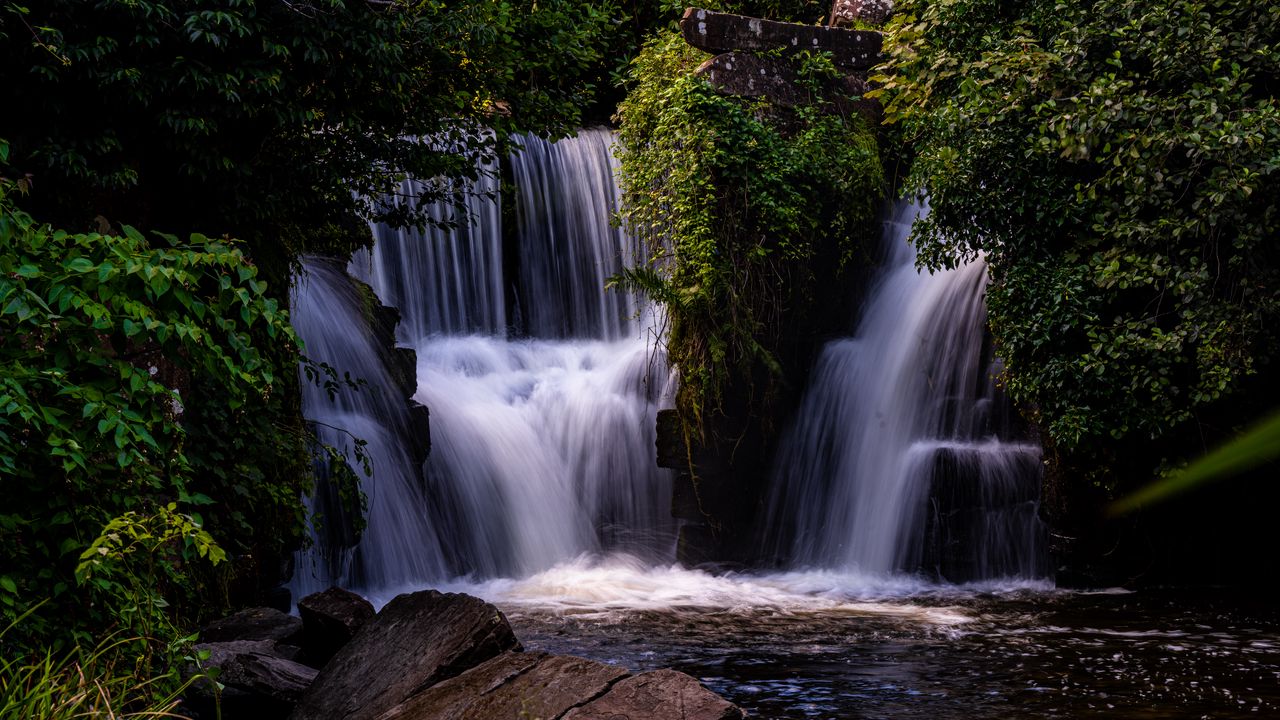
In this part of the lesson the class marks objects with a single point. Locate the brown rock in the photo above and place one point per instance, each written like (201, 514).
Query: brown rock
(418, 640)
(512, 685)
(329, 620)
(723, 32)
(658, 695)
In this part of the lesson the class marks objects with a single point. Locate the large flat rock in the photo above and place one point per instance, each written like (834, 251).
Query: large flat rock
(418, 640)
(513, 685)
(718, 32)
(658, 695)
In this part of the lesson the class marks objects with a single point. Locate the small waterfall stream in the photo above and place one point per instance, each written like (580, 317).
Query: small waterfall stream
(903, 455)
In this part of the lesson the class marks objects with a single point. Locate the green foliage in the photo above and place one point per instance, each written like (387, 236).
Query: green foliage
(740, 203)
(1116, 164)
(81, 683)
(277, 121)
(105, 337)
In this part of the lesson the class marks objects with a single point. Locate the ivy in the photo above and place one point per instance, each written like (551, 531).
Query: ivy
(742, 205)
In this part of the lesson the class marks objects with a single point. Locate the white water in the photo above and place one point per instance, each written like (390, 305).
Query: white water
(541, 489)
(399, 542)
(542, 446)
(908, 401)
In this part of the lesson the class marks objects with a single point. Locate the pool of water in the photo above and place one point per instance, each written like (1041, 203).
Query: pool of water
(831, 645)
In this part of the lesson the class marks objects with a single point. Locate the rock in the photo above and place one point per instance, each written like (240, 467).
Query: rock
(330, 619)
(260, 683)
(513, 685)
(746, 75)
(258, 623)
(722, 32)
(268, 675)
(670, 441)
(873, 12)
(418, 640)
(658, 695)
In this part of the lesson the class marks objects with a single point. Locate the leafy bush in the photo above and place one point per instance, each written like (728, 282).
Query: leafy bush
(104, 335)
(1116, 164)
(275, 121)
(743, 206)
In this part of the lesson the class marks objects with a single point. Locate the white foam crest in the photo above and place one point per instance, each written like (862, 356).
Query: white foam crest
(615, 586)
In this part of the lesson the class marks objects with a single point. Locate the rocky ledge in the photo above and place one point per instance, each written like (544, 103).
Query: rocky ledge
(425, 656)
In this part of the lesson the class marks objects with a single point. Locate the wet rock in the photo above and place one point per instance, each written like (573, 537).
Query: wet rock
(723, 32)
(658, 695)
(260, 681)
(257, 623)
(330, 619)
(418, 640)
(268, 675)
(513, 685)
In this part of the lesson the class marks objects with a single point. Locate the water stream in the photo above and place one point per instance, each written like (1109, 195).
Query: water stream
(905, 503)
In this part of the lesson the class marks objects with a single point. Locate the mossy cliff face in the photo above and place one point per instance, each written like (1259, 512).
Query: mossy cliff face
(759, 215)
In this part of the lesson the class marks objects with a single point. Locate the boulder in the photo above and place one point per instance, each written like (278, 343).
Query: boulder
(329, 620)
(717, 32)
(658, 695)
(259, 682)
(512, 685)
(418, 640)
(257, 623)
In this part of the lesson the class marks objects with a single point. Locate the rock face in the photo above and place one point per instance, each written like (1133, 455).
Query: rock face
(418, 640)
(513, 685)
(723, 32)
(746, 75)
(330, 619)
(658, 695)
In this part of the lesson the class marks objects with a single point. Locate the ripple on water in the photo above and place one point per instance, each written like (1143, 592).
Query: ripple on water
(821, 644)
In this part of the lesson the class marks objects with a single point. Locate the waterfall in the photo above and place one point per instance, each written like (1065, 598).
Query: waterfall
(398, 542)
(542, 443)
(903, 456)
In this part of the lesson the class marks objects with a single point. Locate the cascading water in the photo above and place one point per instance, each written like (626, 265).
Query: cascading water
(903, 456)
(398, 542)
(541, 446)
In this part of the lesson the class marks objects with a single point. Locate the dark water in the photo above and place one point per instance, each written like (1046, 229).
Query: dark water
(1025, 653)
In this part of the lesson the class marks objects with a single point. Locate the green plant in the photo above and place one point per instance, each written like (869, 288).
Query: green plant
(1114, 162)
(119, 350)
(79, 683)
(744, 206)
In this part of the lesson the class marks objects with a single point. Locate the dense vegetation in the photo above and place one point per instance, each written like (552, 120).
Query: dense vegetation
(150, 420)
(1115, 163)
(747, 209)
(276, 122)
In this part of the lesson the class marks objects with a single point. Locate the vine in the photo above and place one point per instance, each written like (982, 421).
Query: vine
(744, 206)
